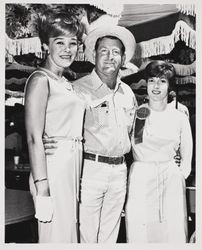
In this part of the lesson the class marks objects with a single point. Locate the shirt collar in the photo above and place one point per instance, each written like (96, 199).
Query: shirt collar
(97, 83)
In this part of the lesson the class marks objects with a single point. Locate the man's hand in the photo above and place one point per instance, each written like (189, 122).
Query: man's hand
(50, 145)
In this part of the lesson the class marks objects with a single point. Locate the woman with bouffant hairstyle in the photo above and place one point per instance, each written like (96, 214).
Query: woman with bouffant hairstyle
(156, 202)
(53, 110)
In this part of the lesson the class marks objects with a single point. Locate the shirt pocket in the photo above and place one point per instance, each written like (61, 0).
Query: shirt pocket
(129, 115)
(98, 115)
(101, 115)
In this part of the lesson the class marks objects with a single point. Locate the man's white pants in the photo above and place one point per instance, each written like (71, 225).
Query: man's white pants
(103, 189)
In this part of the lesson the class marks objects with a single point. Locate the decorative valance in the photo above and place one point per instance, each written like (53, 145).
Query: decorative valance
(156, 27)
(185, 70)
(22, 46)
(165, 44)
(156, 46)
(186, 80)
(188, 9)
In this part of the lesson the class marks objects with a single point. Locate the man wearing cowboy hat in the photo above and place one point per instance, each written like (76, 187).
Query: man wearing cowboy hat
(111, 106)
(109, 118)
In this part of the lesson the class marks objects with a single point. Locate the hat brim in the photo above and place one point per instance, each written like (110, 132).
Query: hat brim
(120, 32)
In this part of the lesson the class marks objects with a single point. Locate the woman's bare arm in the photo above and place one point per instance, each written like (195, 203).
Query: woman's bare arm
(35, 110)
(186, 147)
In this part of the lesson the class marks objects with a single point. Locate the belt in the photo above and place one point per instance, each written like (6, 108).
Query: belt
(104, 159)
(68, 138)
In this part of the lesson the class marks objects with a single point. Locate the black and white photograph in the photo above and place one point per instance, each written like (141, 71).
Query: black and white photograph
(100, 123)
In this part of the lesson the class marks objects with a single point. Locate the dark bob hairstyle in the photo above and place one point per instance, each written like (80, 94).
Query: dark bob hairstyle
(52, 24)
(159, 69)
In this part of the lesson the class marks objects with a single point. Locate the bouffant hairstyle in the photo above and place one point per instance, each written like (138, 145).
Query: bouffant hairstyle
(53, 24)
(159, 69)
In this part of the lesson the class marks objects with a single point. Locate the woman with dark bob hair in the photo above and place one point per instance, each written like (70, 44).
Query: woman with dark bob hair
(53, 110)
(156, 202)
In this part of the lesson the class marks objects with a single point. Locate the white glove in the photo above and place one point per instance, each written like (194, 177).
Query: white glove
(44, 208)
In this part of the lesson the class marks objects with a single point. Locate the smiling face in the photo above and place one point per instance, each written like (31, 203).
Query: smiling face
(157, 88)
(109, 56)
(62, 50)
(160, 78)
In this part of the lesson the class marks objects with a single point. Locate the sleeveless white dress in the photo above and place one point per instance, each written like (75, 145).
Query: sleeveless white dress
(64, 121)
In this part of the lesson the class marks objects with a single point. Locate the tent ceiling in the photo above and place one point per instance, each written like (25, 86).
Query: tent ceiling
(133, 14)
(163, 26)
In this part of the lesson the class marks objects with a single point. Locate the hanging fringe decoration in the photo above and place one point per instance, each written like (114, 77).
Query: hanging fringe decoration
(165, 44)
(188, 9)
(153, 47)
(186, 80)
(185, 70)
(16, 47)
(23, 46)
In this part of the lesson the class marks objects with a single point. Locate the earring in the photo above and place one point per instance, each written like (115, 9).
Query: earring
(45, 54)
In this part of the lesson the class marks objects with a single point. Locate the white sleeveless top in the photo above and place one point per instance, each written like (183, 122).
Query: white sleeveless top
(65, 110)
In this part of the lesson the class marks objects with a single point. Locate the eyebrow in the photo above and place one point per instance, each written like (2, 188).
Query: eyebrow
(62, 38)
(104, 47)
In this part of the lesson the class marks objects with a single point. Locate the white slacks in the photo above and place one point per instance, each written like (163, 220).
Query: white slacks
(103, 189)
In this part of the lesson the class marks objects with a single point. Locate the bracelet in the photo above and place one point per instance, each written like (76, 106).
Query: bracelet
(39, 180)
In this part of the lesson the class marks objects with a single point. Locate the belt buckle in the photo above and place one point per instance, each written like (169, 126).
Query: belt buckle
(105, 159)
(115, 160)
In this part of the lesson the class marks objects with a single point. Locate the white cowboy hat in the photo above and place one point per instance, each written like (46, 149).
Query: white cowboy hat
(120, 32)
